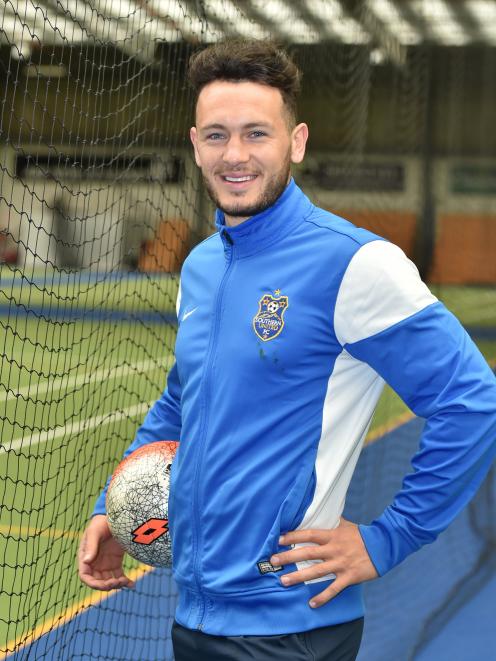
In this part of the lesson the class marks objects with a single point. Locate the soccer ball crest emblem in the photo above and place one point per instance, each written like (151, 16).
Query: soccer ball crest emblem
(269, 321)
(137, 503)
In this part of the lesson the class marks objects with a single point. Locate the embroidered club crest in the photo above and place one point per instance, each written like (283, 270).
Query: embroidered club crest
(269, 322)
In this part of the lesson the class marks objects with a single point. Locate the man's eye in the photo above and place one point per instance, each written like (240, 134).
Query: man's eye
(257, 134)
(215, 136)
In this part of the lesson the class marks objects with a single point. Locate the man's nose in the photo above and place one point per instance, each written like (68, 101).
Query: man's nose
(235, 151)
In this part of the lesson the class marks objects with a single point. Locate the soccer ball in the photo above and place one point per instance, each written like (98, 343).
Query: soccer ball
(137, 503)
(272, 307)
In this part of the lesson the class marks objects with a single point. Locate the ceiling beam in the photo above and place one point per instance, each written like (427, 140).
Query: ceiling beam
(104, 29)
(198, 8)
(468, 22)
(379, 34)
(259, 17)
(155, 10)
(308, 17)
(30, 24)
(411, 16)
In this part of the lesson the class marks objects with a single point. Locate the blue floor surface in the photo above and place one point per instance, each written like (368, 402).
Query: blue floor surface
(470, 635)
(121, 627)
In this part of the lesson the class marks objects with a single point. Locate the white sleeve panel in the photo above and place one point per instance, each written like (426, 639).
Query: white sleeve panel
(178, 299)
(380, 288)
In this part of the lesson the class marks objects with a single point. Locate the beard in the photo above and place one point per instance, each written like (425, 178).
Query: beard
(271, 192)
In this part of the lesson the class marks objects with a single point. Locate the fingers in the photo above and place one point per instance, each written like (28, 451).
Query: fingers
(100, 558)
(96, 532)
(329, 593)
(124, 581)
(297, 555)
(112, 579)
(106, 584)
(318, 570)
(338, 552)
(87, 554)
(104, 579)
(88, 549)
(84, 560)
(305, 536)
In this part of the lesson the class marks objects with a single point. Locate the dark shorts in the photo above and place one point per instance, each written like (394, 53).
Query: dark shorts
(337, 643)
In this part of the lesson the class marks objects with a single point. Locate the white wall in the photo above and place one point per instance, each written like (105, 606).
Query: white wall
(97, 212)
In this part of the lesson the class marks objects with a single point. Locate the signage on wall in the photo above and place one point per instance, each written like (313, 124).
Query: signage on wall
(478, 179)
(127, 168)
(367, 176)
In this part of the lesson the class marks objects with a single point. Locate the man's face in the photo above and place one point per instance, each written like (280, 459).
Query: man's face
(244, 146)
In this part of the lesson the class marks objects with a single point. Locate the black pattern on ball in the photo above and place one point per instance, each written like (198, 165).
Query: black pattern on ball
(137, 503)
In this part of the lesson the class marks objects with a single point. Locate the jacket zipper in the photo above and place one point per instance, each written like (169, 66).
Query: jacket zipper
(197, 537)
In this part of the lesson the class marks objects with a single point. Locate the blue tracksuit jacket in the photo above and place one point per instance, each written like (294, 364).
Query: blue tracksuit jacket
(289, 324)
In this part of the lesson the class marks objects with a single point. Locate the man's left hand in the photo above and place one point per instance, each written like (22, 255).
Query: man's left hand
(341, 552)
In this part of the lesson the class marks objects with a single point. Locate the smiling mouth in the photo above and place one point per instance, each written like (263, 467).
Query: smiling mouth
(239, 180)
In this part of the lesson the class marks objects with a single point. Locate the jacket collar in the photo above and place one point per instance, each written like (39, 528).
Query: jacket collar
(267, 227)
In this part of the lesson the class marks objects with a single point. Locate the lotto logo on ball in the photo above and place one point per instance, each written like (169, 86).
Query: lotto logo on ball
(150, 531)
(138, 503)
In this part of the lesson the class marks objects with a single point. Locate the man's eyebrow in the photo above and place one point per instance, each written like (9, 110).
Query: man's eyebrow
(250, 125)
(253, 125)
(211, 126)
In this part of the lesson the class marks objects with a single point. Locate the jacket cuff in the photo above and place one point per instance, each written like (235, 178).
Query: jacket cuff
(99, 506)
(385, 545)
(100, 503)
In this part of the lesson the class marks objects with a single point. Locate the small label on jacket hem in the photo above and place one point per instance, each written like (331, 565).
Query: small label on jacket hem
(265, 567)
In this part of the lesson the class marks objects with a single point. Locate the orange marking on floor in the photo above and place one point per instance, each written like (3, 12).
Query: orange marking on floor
(58, 620)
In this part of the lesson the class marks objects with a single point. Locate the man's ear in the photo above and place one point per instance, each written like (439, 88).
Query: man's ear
(194, 139)
(299, 137)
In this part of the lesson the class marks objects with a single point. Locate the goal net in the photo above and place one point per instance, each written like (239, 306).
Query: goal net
(101, 201)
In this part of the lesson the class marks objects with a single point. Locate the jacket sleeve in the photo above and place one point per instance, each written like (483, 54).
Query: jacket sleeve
(423, 352)
(162, 422)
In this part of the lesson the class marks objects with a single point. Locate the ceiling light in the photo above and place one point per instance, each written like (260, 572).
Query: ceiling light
(377, 57)
(484, 13)
(442, 22)
(233, 17)
(180, 15)
(394, 22)
(283, 17)
(331, 15)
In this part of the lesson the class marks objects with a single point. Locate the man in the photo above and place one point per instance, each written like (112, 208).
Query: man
(289, 320)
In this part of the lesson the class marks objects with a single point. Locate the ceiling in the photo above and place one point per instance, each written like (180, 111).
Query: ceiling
(135, 26)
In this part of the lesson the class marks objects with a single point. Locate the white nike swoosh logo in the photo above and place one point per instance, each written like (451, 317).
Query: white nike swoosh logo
(187, 314)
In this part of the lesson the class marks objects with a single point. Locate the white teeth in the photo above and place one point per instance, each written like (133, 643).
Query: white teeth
(238, 179)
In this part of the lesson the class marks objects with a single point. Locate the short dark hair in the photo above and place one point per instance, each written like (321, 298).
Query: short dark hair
(254, 60)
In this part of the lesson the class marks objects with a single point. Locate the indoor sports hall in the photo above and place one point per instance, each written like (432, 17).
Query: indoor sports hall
(100, 203)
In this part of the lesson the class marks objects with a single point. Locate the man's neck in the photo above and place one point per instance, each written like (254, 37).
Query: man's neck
(234, 221)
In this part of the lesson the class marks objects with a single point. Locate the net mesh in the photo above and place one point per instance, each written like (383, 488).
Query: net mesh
(100, 201)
